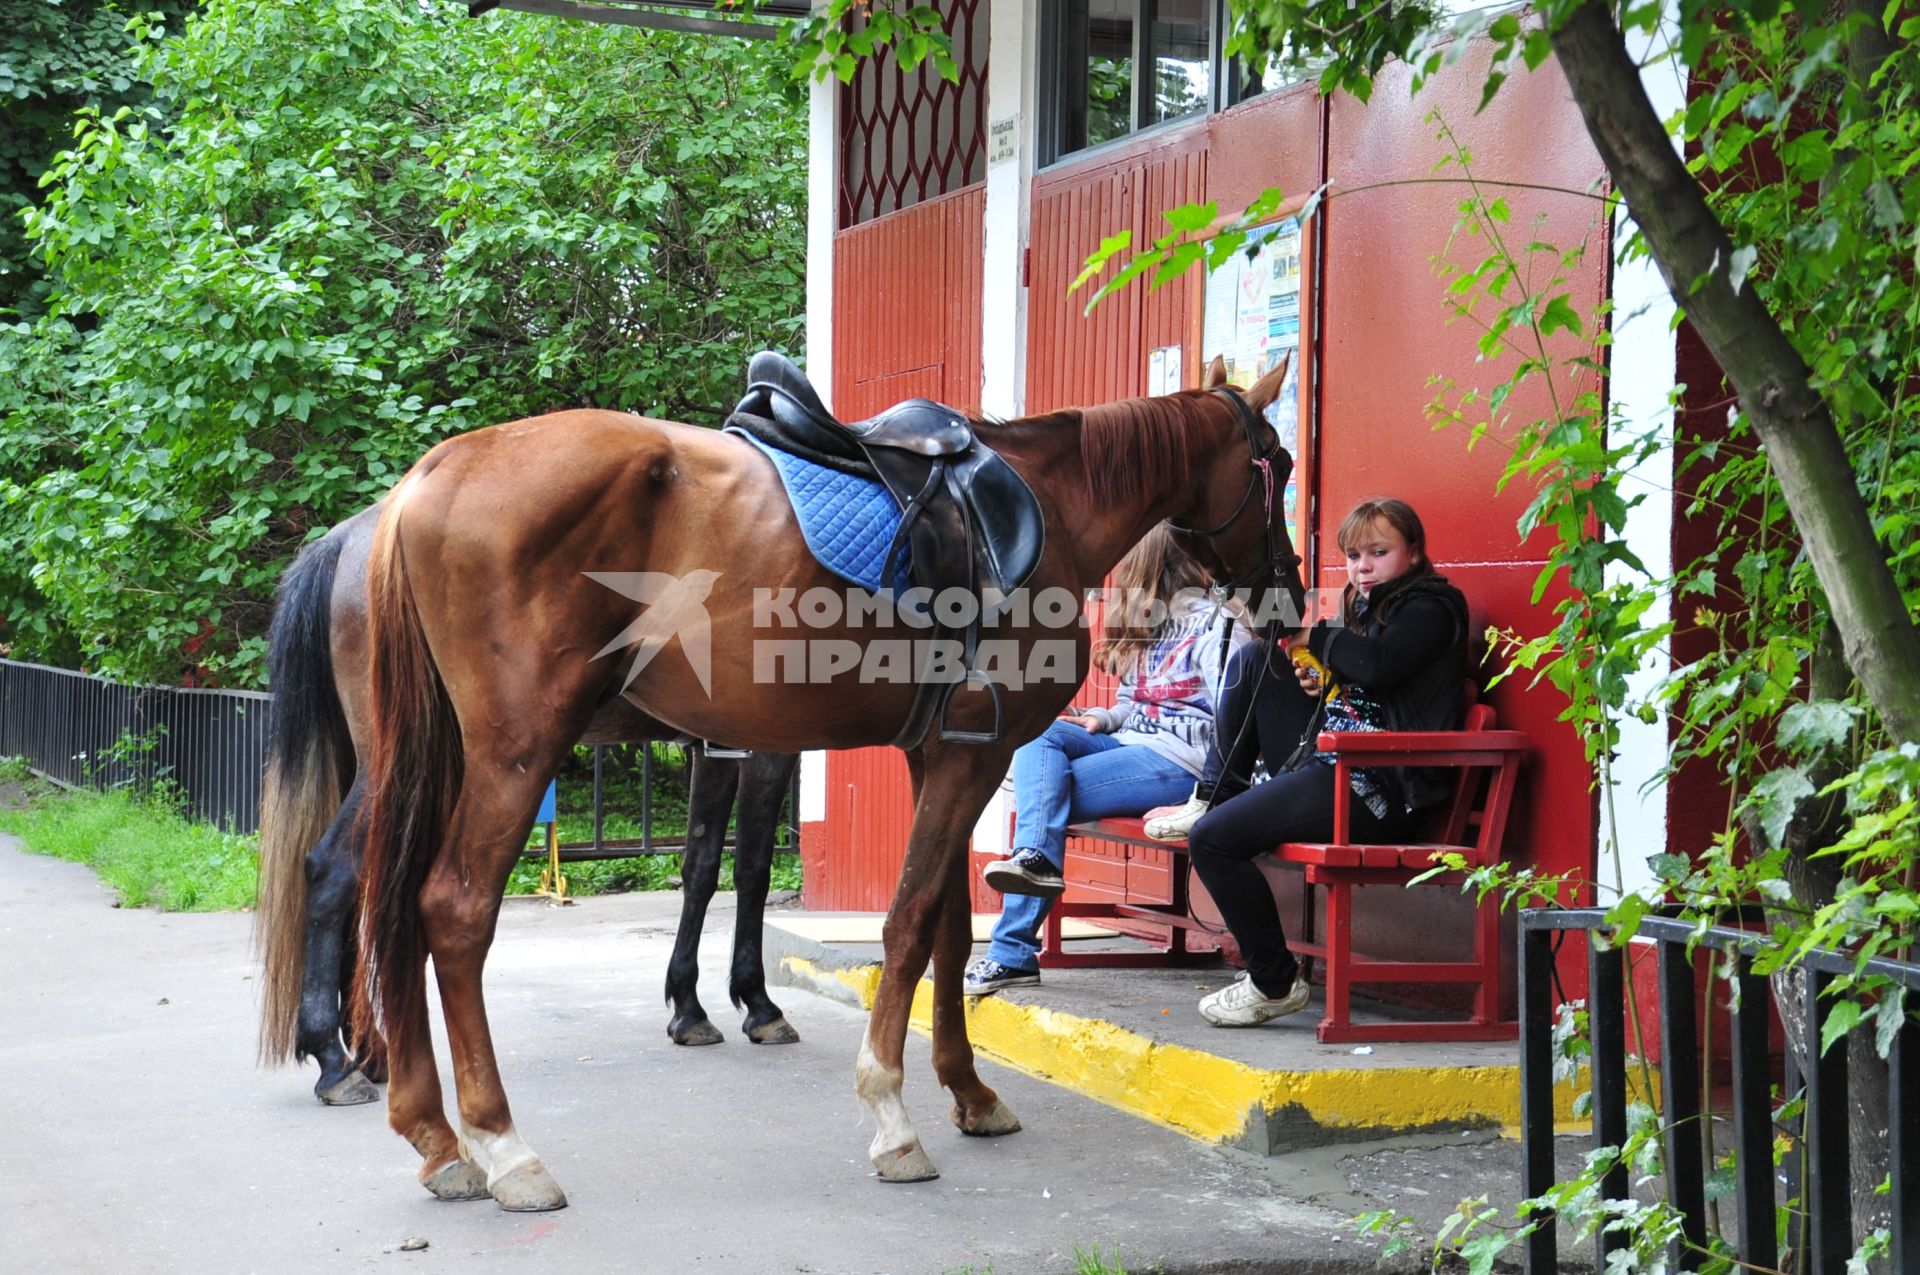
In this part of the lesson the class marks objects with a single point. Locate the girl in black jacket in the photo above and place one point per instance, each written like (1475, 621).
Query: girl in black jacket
(1397, 660)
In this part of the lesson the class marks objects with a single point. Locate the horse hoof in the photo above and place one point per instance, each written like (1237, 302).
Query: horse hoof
(777, 1032)
(457, 1180)
(905, 1164)
(529, 1189)
(702, 1032)
(991, 1123)
(350, 1091)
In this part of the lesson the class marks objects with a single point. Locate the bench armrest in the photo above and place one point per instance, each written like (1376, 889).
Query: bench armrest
(1433, 748)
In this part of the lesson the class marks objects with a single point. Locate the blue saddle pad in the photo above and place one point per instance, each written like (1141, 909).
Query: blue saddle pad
(848, 521)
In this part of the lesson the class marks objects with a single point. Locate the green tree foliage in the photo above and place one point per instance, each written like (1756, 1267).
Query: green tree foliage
(337, 235)
(56, 56)
(1787, 238)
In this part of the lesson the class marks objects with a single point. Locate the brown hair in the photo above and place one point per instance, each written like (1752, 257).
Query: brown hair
(1144, 588)
(1397, 514)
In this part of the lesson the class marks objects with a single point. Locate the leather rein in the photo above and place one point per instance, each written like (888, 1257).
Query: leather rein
(1261, 461)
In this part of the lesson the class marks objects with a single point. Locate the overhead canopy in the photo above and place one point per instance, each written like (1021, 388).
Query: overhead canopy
(659, 14)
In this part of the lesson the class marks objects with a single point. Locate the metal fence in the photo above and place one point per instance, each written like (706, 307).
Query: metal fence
(1820, 1238)
(82, 731)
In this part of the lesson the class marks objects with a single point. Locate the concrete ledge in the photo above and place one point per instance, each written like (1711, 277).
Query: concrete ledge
(1269, 1090)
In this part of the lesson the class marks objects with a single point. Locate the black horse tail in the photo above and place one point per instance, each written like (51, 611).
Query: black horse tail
(309, 765)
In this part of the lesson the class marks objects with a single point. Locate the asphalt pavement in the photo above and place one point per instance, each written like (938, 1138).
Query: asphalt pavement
(149, 1140)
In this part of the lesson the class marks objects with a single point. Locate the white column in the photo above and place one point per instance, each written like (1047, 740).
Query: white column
(823, 199)
(1003, 299)
(823, 213)
(1643, 375)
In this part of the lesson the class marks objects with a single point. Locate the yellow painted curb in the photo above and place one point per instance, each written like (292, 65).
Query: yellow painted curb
(1204, 1096)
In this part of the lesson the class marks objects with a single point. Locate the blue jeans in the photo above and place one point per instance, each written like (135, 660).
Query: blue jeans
(1069, 775)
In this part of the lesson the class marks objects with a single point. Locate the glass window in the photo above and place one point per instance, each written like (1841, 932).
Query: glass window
(1096, 87)
(1181, 36)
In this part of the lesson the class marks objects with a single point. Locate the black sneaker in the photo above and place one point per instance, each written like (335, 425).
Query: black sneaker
(1025, 872)
(988, 975)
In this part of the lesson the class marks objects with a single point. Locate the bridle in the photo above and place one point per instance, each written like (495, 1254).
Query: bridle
(1261, 460)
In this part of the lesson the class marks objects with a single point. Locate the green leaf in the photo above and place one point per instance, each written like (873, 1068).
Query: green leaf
(1806, 728)
(1775, 798)
(1841, 1018)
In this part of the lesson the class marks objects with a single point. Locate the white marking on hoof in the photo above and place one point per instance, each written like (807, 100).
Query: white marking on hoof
(997, 1119)
(529, 1189)
(498, 1153)
(457, 1180)
(895, 1150)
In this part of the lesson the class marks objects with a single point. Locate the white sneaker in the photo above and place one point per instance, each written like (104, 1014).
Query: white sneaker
(1178, 821)
(1241, 1004)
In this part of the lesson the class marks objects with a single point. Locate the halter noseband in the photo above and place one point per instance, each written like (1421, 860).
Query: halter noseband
(1262, 463)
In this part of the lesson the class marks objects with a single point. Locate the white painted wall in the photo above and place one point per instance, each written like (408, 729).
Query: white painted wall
(1643, 375)
(1003, 302)
(823, 170)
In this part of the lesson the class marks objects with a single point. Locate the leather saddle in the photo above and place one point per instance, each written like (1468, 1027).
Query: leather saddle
(971, 522)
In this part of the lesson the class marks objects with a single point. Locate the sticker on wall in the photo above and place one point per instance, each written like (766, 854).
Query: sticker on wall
(1164, 371)
(1253, 317)
(1000, 141)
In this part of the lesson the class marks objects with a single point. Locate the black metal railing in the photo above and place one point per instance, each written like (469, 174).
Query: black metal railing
(83, 731)
(1823, 1240)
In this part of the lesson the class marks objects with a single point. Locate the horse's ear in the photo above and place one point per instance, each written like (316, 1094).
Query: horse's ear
(1267, 388)
(1216, 373)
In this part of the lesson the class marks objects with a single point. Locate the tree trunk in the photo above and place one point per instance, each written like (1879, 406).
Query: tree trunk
(1804, 449)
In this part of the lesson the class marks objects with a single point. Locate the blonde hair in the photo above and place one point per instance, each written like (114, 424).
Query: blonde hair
(1360, 520)
(1145, 586)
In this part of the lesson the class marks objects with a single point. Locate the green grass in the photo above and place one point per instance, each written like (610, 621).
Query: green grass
(154, 857)
(141, 846)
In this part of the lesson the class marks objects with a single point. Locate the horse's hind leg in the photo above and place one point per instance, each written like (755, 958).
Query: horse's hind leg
(764, 780)
(957, 782)
(709, 800)
(332, 886)
(459, 910)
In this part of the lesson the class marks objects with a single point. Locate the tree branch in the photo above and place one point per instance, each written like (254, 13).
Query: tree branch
(1803, 447)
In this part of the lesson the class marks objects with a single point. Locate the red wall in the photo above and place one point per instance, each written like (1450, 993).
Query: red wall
(1385, 335)
(906, 321)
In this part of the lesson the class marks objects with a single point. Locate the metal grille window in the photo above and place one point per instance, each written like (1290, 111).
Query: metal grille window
(908, 137)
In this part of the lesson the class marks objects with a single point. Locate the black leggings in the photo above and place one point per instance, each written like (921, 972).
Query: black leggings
(1245, 823)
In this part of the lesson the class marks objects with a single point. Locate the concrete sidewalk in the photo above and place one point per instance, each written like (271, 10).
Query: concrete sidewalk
(145, 1139)
(1134, 1039)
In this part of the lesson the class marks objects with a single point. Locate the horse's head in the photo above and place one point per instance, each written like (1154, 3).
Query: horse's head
(1237, 527)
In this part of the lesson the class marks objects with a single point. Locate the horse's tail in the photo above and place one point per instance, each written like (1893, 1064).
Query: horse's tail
(309, 762)
(414, 767)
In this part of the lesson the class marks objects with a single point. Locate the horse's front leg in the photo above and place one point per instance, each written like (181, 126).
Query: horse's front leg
(710, 793)
(764, 781)
(459, 909)
(952, 786)
(333, 884)
(977, 1109)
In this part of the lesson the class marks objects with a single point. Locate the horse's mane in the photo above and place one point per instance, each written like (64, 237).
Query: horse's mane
(1140, 444)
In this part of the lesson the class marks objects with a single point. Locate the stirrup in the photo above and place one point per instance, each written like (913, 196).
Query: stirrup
(949, 735)
(721, 753)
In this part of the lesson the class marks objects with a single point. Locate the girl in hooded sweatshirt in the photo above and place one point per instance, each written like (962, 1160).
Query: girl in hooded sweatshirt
(1162, 634)
(1395, 659)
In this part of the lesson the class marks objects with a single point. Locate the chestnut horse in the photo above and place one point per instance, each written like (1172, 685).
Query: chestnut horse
(486, 631)
(310, 856)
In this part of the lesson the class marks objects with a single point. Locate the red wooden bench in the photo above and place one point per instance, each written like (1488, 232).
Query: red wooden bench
(1473, 824)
